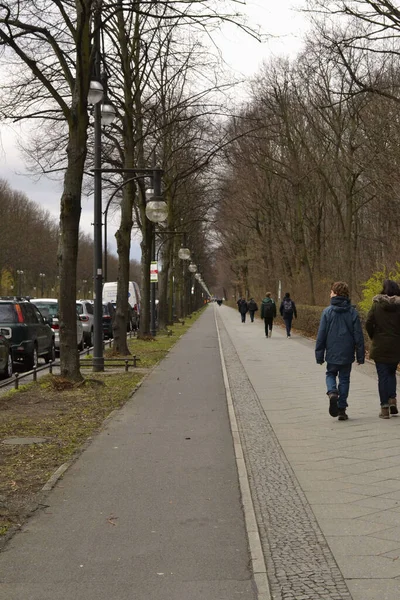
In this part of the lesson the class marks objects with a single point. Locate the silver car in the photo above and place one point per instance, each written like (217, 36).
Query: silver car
(85, 311)
(49, 309)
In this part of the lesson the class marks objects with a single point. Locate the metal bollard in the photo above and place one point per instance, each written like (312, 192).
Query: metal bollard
(134, 360)
(34, 374)
(87, 351)
(50, 367)
(16, 381)
(126, 366)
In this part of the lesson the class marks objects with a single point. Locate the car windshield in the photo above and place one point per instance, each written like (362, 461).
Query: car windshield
(52, 307)
(8, 314)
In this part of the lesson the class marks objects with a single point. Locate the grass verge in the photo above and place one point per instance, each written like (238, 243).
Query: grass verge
(66, 416)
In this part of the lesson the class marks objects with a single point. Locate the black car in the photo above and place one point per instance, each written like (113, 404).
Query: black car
(6, 364)
(29, 336)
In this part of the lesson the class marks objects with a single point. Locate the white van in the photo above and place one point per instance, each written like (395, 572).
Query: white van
(110, 295)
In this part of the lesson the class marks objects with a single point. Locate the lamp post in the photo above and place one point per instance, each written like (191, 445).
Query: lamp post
(184, 255)
(103, 113)
(20, 274)
(156, 212)
(42, 276)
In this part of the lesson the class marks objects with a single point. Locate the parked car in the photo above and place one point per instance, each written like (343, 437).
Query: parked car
(108, 316)
(6, 363)
(28, 334)
(110, 295)
(86, 314)
(49, 309)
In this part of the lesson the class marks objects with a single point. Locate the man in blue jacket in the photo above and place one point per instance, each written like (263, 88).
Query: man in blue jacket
(340, 337)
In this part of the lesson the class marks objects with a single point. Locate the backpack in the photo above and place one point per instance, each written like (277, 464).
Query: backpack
(269, 309)
(287, 305)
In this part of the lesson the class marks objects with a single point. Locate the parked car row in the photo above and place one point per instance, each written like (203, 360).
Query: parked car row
(30, 328)
(27, 334)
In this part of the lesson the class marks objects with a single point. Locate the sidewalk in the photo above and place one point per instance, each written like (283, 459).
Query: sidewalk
(152, 509)
(326, 492)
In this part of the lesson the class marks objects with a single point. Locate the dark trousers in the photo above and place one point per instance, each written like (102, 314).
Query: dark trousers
(243, 316)
(268, 324)
(288, 322)
(251, 313)
(341, 372)
(386, 381)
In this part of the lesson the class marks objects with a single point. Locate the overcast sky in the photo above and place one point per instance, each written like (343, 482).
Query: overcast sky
(243, 54)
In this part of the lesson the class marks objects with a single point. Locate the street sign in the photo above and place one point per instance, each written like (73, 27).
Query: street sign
(153, 272)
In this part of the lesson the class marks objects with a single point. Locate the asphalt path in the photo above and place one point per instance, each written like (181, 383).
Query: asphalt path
(152, 509)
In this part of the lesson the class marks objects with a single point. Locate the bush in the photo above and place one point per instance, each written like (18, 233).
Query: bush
(373, 286)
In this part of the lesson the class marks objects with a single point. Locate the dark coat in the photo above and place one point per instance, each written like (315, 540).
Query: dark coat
(282, 309)
(243, 307)
(383, 327)
(252, 305)
(340, 335)
(268, 308)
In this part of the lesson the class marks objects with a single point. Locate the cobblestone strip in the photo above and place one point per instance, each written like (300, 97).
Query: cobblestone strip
(300, 565)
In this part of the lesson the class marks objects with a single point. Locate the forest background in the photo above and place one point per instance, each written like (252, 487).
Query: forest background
(306, 191)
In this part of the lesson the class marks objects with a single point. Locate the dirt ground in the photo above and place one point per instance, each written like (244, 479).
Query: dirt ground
(64, 416)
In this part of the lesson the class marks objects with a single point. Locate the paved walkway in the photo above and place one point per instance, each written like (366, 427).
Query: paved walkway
(326, 492)
(152, 510)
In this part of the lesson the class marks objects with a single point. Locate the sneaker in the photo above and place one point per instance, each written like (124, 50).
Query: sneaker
(333, 407)
(393, 406)
(343, 416)
(385, 413)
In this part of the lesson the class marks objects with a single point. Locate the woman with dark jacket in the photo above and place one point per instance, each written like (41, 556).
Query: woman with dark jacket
(243, 308)
(252, 306)
(383, 328)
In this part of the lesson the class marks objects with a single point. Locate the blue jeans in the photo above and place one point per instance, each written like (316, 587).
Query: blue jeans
(288, 322)
(343, 371)
(386, 381)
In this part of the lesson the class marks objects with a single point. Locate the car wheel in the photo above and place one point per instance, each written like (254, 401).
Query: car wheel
(32, 360)
(91, 342)
(8, 370)
(81, 345)
(51, 356)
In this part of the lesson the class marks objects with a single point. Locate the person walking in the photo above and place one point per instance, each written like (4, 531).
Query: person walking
(243, 308)
(383, 328)
(252, 306)
(288, 310)
(339, 338)
(268, 313)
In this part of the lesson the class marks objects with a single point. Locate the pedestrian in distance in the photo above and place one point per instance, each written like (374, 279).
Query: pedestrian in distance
(252, 306)
(268, 313)
(288, 311)
(383, 328)
(243, 308)
(340, 339)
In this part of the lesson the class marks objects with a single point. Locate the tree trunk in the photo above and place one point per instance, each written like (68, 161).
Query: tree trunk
(68, 248)
(123, 237)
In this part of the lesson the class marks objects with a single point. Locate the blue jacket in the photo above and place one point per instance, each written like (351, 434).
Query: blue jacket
(340, 335)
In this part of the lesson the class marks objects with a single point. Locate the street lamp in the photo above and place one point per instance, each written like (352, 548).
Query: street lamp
(156, 212)
(42, 276)
(184, 253)
(19, 273)
(103, 113)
